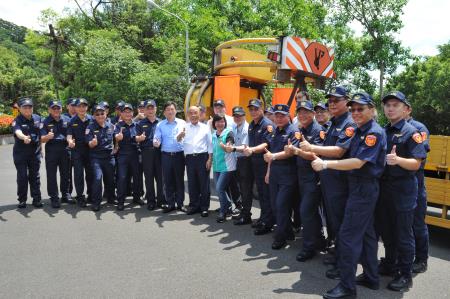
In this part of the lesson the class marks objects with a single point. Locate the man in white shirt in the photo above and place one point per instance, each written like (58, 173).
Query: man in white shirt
(197, 143)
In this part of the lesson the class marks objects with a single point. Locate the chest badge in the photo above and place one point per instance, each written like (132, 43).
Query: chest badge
(298, 135)
(322, 135)
(269, 128)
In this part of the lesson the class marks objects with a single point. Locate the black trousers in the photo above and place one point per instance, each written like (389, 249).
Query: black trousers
(151, 164)
(245, 178)
(198, 181)
(173, 174)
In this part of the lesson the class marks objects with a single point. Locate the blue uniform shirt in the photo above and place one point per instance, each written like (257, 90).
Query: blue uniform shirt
(314, 134)
(167, 133)
(340, 132)
(277, 140)
(369, 144)
(425, 136)
(257, 132)
(77, 129)
(409, 144)
(58, 127)
(145, 125)
(114, 120)
(105, 135)
(128, 144)
(30, 127)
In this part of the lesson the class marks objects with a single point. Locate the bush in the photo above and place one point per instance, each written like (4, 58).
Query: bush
(5, 123)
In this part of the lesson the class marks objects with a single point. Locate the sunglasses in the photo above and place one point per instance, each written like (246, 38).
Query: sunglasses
(99, 114)
(359, 109)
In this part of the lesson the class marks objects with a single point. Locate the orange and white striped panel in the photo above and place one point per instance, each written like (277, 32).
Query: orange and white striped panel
(308, 56)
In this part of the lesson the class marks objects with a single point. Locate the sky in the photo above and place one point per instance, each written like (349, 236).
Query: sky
(426, 22)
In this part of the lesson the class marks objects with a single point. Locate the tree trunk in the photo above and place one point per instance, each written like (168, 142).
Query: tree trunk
(381, 80)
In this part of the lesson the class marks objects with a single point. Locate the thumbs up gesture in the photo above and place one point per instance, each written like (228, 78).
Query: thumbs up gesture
(268, 156)
(181, 135)
(27, 139)
(71, 143)
(392, 158)
(289, 148)
(119, 136)
(317, 164)
(247, 151)
(50, 134)
(305, 145)
(94, 141)
(141, 137)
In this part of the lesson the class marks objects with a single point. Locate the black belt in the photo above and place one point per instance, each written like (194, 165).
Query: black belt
(173, 153)
(196, 154)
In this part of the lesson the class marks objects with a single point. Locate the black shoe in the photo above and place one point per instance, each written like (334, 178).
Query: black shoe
(120, 206)
(138, 201)
(340, 292)
(161, 204)
(386, 268)
(329, 260)
(95, 208)
(64, 200)
(333, 273)
(256, 223)
(71, 201)
(151, 206)
(419, 266)
(303, 256)
(400, 283)
(111, 201)
(236, 212)
(192, 211)
(277, 245)
(37, 204)
(364, 281)
(89, 200)
(55, 203)
(296, 229)
(262, 230)
(168, 209)
(81, 201)
(182, 209)
(221, 218)
(204, 214)
(22, 205)
(243, 220)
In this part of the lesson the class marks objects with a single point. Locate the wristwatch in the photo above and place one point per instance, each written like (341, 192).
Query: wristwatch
(234, 148)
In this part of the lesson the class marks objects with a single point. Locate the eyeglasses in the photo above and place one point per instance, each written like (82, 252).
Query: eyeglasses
(99, 114)
(360, 109)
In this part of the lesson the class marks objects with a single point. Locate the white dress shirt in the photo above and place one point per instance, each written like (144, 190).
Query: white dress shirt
(198, 139)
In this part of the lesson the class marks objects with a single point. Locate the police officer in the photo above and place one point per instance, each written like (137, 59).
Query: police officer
(151, 157)
(258, 128)
(99, 136)
(269, 113)
(127, 156)
(420, 227)
(71, 108)
(308, 180)
(27, 153)
(398, 192)
(115, 119)
(365, 163)
(54, 134)
(281, 174)
(80, 151)
(333, 182)
(106, 107)
(322, 115)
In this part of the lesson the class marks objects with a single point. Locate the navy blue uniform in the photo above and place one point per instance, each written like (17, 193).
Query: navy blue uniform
(127, 160)
(115, 119)
(57, 157)
(257, 135)
(310, 193)
(27, 157)
(398, 198)
(151, 162)
(420, 227)
(80, 155)
(357, 239)
(102, 160)
(282, 181)
(334, 183)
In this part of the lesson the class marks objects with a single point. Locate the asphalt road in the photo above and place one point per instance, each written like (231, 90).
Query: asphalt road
(70, 253)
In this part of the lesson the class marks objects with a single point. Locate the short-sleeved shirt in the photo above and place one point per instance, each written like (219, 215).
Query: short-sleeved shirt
(29, 127)
(145, 125)
(58, 127)
(277, 140)
(369, 144)
(105, 139)
(77, 129)
(425, 136)
(340, 132)
(167, 132)
(409, 144)
(128, 144)
(314, 134)
(240, 136)
(223, 161)
(257, 133)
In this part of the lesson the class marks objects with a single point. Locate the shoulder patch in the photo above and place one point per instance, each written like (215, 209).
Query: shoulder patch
(371, 140)
(417, 137)
(269, 128)
(349, 132)
(424, 136)
(322, 135)
(298, 135)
